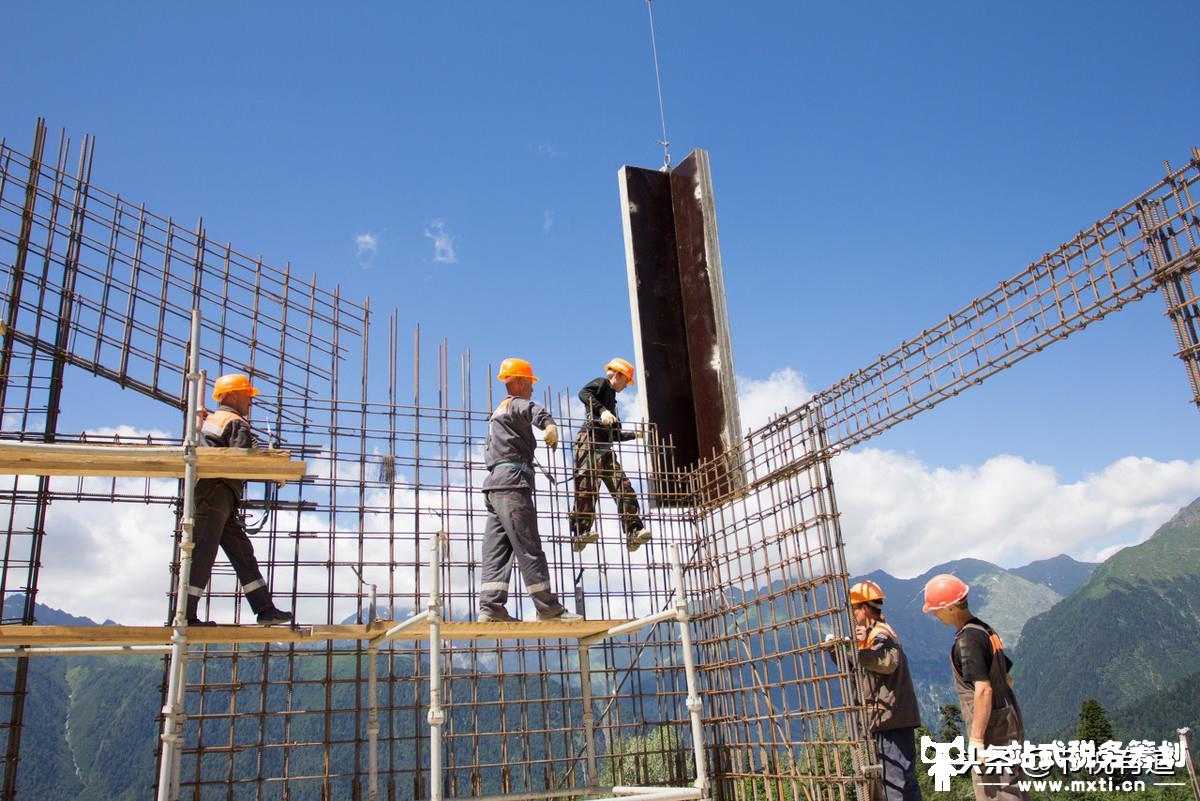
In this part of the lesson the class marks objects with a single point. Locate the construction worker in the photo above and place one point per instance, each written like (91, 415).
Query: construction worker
(980, 668)
(893, 714)
(512, 530)
(217, 501)
(596, 461)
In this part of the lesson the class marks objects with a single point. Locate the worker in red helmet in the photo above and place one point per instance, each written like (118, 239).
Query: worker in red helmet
(892, 711)
(980, 668)
(512, 530)
(218, 524)
(596, 460)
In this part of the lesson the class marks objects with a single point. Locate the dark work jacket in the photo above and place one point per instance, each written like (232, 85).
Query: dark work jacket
(891, 700)
(598, 396)
(225, 428)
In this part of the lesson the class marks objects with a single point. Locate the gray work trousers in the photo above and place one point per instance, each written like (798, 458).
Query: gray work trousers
(218, 526)
(512, 534)
(897, 751)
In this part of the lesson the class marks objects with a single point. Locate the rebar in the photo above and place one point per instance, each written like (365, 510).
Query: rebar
(97, 286)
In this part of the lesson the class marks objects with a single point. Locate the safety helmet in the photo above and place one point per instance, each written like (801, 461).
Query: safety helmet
(233, 382)
(621, 366)
(944, 590)
(515, 368)
(866, 592)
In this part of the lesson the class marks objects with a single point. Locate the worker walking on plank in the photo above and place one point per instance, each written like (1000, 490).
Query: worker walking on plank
(893, 714)
(981, 676)
(512, 530)
(217, 501)
(596, 461)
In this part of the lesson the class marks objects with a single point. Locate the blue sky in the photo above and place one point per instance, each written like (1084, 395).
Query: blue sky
(876, 166)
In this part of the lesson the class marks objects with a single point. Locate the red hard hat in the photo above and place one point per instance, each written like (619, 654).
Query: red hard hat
(944, 590)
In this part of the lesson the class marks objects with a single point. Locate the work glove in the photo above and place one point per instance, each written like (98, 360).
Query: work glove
(608, 418)
(550, 434)
(975, 749)
(639, 433)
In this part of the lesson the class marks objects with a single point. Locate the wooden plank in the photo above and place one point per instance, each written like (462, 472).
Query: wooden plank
(19, 636)
(146, 461)
(520, 630)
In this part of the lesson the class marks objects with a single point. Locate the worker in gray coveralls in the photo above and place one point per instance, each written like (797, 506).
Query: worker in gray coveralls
(512, 531)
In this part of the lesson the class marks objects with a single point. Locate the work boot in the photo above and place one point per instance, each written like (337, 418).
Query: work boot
(272, 616)
(501, 616)
(560, 616)
(636, 539)
(581, 541)
(193, 622)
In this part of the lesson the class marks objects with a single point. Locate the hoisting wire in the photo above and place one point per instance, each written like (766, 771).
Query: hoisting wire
(662, 115)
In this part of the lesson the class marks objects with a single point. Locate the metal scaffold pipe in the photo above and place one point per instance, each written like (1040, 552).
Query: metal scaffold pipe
(694, 704)
(373, 723)
(436, 716)
(173, 709)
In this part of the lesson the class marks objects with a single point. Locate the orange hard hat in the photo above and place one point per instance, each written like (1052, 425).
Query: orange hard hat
(621, 366)
(866, 592)
(944, 590)
(233, 382)
(516, 368)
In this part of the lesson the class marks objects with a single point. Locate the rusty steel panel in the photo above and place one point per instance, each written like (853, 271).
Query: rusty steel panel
(655, 296)
(677, 295)
(702, 287)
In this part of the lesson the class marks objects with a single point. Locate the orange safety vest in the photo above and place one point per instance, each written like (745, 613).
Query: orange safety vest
(215, 423)
(879, 627)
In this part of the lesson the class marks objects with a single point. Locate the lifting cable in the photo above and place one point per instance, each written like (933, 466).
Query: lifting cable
(662, 115)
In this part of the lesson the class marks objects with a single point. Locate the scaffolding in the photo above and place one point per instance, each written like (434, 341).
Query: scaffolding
(98, 294)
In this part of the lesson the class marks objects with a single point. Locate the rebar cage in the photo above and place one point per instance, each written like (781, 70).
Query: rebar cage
(94, 284)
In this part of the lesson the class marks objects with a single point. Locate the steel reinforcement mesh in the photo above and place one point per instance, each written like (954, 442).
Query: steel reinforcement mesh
(96, 284)
(772, 588)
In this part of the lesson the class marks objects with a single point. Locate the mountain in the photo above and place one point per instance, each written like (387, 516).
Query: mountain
(1125, 634)
(46, 615)
(1060, 573)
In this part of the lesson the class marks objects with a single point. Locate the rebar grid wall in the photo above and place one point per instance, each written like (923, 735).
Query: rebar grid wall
(95, 283)
(774, 586)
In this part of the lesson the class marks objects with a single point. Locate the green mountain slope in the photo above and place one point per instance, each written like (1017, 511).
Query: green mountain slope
(1126, 633)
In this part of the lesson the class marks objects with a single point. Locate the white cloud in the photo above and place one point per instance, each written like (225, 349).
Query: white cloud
(443, 242)
(365, 247)
(763, 399)
(549, 151)
(547, 221)
(904, 516)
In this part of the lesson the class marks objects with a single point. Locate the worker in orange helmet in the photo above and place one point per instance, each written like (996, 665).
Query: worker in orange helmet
(892, 711)
(512, 531)
(980, 668)
(596, 460)
(217, 500)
